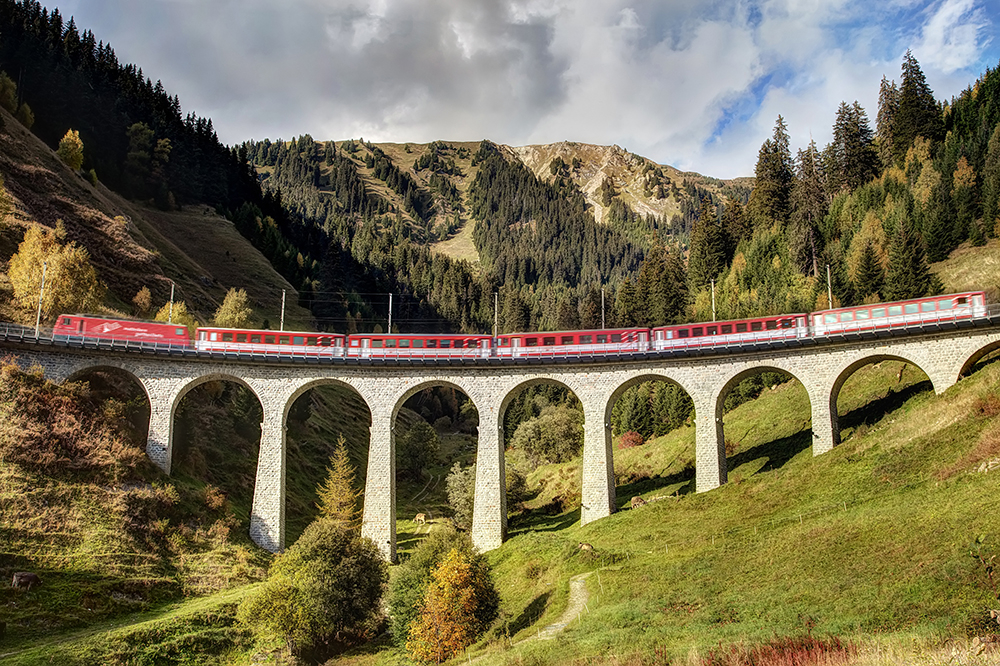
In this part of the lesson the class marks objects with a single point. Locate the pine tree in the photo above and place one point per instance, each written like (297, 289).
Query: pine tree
(908, 275)
(888, 105)
(918, 113)
(769, 201)
(870, 277)
(707, 256)
(808, 202)
(338, 497)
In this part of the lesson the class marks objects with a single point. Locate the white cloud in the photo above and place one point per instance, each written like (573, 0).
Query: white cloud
(951, 36)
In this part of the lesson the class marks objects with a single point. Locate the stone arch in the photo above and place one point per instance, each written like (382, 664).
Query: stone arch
(845, 373)
(975, 357)
(78, 373)
(195, 382)
(323, 381)
(616, 395)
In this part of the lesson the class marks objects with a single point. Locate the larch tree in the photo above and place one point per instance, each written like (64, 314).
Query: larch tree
(337, 496)
(177, 314)
(143, 302)
(235, 311)
(71, 283)
(456, 609)
(70, 150)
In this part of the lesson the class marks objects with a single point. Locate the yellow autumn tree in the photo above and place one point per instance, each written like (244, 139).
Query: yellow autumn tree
(178, 315)
(338, 499)
(235, 311)
(70, 150)
(71, 283)
(458, 606)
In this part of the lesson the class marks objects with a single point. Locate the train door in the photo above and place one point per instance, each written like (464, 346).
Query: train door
(515, 346)
(365, 347)
(484, 348)
(643, 340)
(800, 327)
(79, 326)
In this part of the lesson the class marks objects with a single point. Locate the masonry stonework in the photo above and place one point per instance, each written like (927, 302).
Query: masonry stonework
(822, 369)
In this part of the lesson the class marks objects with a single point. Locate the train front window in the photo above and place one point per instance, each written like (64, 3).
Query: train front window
(566, 340)
(586, 339)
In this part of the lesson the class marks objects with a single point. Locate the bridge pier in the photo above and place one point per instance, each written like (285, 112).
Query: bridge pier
(598, 492)
(489, 517)
(825, 421)
(159, 441)
(711, 470)
(379, 518)
(267, 517)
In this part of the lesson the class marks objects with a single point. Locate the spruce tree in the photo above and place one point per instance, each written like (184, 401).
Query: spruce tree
(590, 314)
(568, 318)
(853, 152)
(991, 183)
(908, 275)
(627, 306)
(808, 201)
(918, 113)
(769, 201)
(888, 104)
(870, 278)
(707, 256)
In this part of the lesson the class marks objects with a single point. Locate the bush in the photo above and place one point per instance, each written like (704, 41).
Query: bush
(328, 585)
(461, 486)
(555, 436)
(417, 449)
(442, 423)
(630, 440)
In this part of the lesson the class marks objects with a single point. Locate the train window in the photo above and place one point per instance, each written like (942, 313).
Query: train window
(586, 339)
(616, 337)
(927, 306)
(404, 343)
(713, 330)
(227, 337)
(911, 308)
(268, 339)
(376, 344)
(298, 340)
(212, 336)
(696, 332)
(727, 329)
(566, 340)
(846, 316)
(602, 339)
(878, 312)
(66, 321)
(548, 342)
(756, 326)
(180, 331)
(324, 342)
(683, 333)
(962, 300)
(255, 338)
(391, 344)
(830, 319)
(445, 344)
(531, 342)
(787, 323)
(241, 337)
(860, 314)
(771, 325)
(741, 328)
(418, 344)
(895, 310)
(944, 304)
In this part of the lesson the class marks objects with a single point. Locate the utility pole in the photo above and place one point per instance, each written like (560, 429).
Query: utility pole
(170, 312)
(41, 292)
(390, 314)
(713, 300)
(282, 324)
(496, 313)
(602, 307)
(829, 289)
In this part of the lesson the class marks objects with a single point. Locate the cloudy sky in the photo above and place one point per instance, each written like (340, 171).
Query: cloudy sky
(692, 83)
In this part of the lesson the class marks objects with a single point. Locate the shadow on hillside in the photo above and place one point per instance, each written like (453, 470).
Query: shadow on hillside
(777, 452)
(877, 409)
(529, 615)
(679, 483)
(538, 521)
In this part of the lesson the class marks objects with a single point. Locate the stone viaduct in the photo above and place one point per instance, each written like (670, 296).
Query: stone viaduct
(945, 353)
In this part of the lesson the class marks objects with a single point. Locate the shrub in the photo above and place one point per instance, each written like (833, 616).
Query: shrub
(630, 440)
(461, 486)
(329, 584)
(555, 436)
(417, 449)
(442, 423)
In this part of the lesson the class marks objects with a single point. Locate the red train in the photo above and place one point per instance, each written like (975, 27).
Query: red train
(914, 312)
